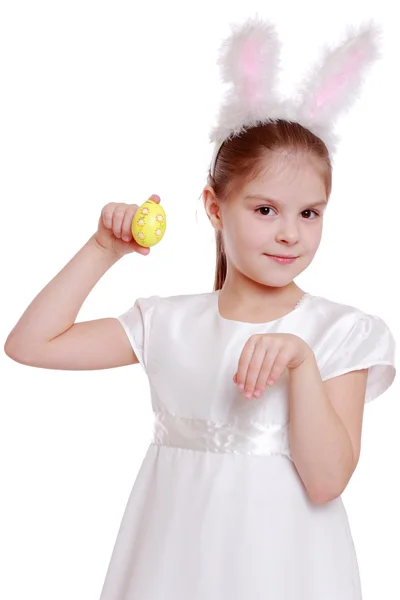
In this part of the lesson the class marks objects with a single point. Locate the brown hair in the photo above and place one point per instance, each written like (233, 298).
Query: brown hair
(242, 158)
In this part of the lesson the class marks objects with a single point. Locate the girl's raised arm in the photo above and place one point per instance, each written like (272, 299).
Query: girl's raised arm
(47, 336)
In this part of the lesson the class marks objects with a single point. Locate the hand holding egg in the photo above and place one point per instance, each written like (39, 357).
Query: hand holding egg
(121, 225)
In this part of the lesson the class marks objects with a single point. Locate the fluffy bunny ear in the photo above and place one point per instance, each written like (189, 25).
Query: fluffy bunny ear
(248, 59)
(333, 85)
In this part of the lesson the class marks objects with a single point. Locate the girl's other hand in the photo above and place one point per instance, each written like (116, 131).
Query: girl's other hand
(264, 358)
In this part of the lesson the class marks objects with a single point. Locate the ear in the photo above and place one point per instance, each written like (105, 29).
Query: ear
(334, 84)
(211, 205)
(248, 60)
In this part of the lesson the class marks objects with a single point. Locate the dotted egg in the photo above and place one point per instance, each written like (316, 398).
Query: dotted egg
(148, 224)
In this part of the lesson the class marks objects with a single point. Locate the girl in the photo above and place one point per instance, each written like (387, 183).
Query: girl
(257, 387)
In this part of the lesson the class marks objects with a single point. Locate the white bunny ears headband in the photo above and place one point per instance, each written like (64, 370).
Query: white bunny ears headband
(249, 62)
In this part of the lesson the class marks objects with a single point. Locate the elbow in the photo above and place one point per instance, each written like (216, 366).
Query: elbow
(16, 352)
(324, 495)
(9, 349)
(321, 493)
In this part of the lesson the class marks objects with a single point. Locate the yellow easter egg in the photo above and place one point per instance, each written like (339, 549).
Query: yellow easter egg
(148, 224)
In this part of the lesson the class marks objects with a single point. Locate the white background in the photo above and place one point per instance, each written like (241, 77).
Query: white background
(113, 101)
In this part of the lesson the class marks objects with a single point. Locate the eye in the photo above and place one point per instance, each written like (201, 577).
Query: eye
(304, 211)
(311, 211)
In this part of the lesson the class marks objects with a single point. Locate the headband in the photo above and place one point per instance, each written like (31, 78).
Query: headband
(249, 59)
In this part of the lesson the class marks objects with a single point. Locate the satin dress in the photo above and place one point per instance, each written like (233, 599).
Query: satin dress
(218, 510)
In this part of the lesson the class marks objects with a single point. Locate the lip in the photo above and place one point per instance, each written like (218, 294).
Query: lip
(283, 260)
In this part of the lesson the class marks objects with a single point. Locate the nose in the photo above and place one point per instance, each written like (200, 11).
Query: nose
(288, 232)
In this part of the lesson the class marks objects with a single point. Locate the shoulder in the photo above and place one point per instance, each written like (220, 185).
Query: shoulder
(343, 326)
(341, 316)
(154, 306)
(331, 310)
(183, 303)
(352, 339)
(181, 318)
(331, 323)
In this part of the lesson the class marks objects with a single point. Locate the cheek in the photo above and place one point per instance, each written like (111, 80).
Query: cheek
(238, 230)
(250, 229)
(242, 238)
(249, 237)
(312, 237)
(318, 231)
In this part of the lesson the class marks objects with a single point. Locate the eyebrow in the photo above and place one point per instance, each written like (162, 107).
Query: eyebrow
(266, 199)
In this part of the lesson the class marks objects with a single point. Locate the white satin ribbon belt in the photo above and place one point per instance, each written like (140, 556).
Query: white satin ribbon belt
(238, 438)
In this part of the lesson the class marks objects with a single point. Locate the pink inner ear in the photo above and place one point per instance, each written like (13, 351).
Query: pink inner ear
(250, 62)
(335, 84)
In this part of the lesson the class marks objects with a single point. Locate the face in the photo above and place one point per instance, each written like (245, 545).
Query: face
(286, 219)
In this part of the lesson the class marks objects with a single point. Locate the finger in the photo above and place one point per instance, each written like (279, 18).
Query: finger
(117, 219)
(280, 364)
(266, 371)
(107, 213)
(126, 227)
(140, 249)
(155, 198)
(244, 361)
(253, 370)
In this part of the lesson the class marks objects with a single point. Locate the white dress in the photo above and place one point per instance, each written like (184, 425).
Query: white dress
(218, 510)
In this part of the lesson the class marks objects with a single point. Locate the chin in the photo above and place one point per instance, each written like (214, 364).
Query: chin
(273, 281)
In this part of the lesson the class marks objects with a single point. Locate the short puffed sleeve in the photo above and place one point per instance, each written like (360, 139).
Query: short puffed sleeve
(368, 344)
(137, 323)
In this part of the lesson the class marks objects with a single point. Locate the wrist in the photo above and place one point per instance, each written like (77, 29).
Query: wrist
(307, 356)
(105, 253)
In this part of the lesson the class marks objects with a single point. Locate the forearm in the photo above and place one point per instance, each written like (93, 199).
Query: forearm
(320, 445)
(55, 308)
